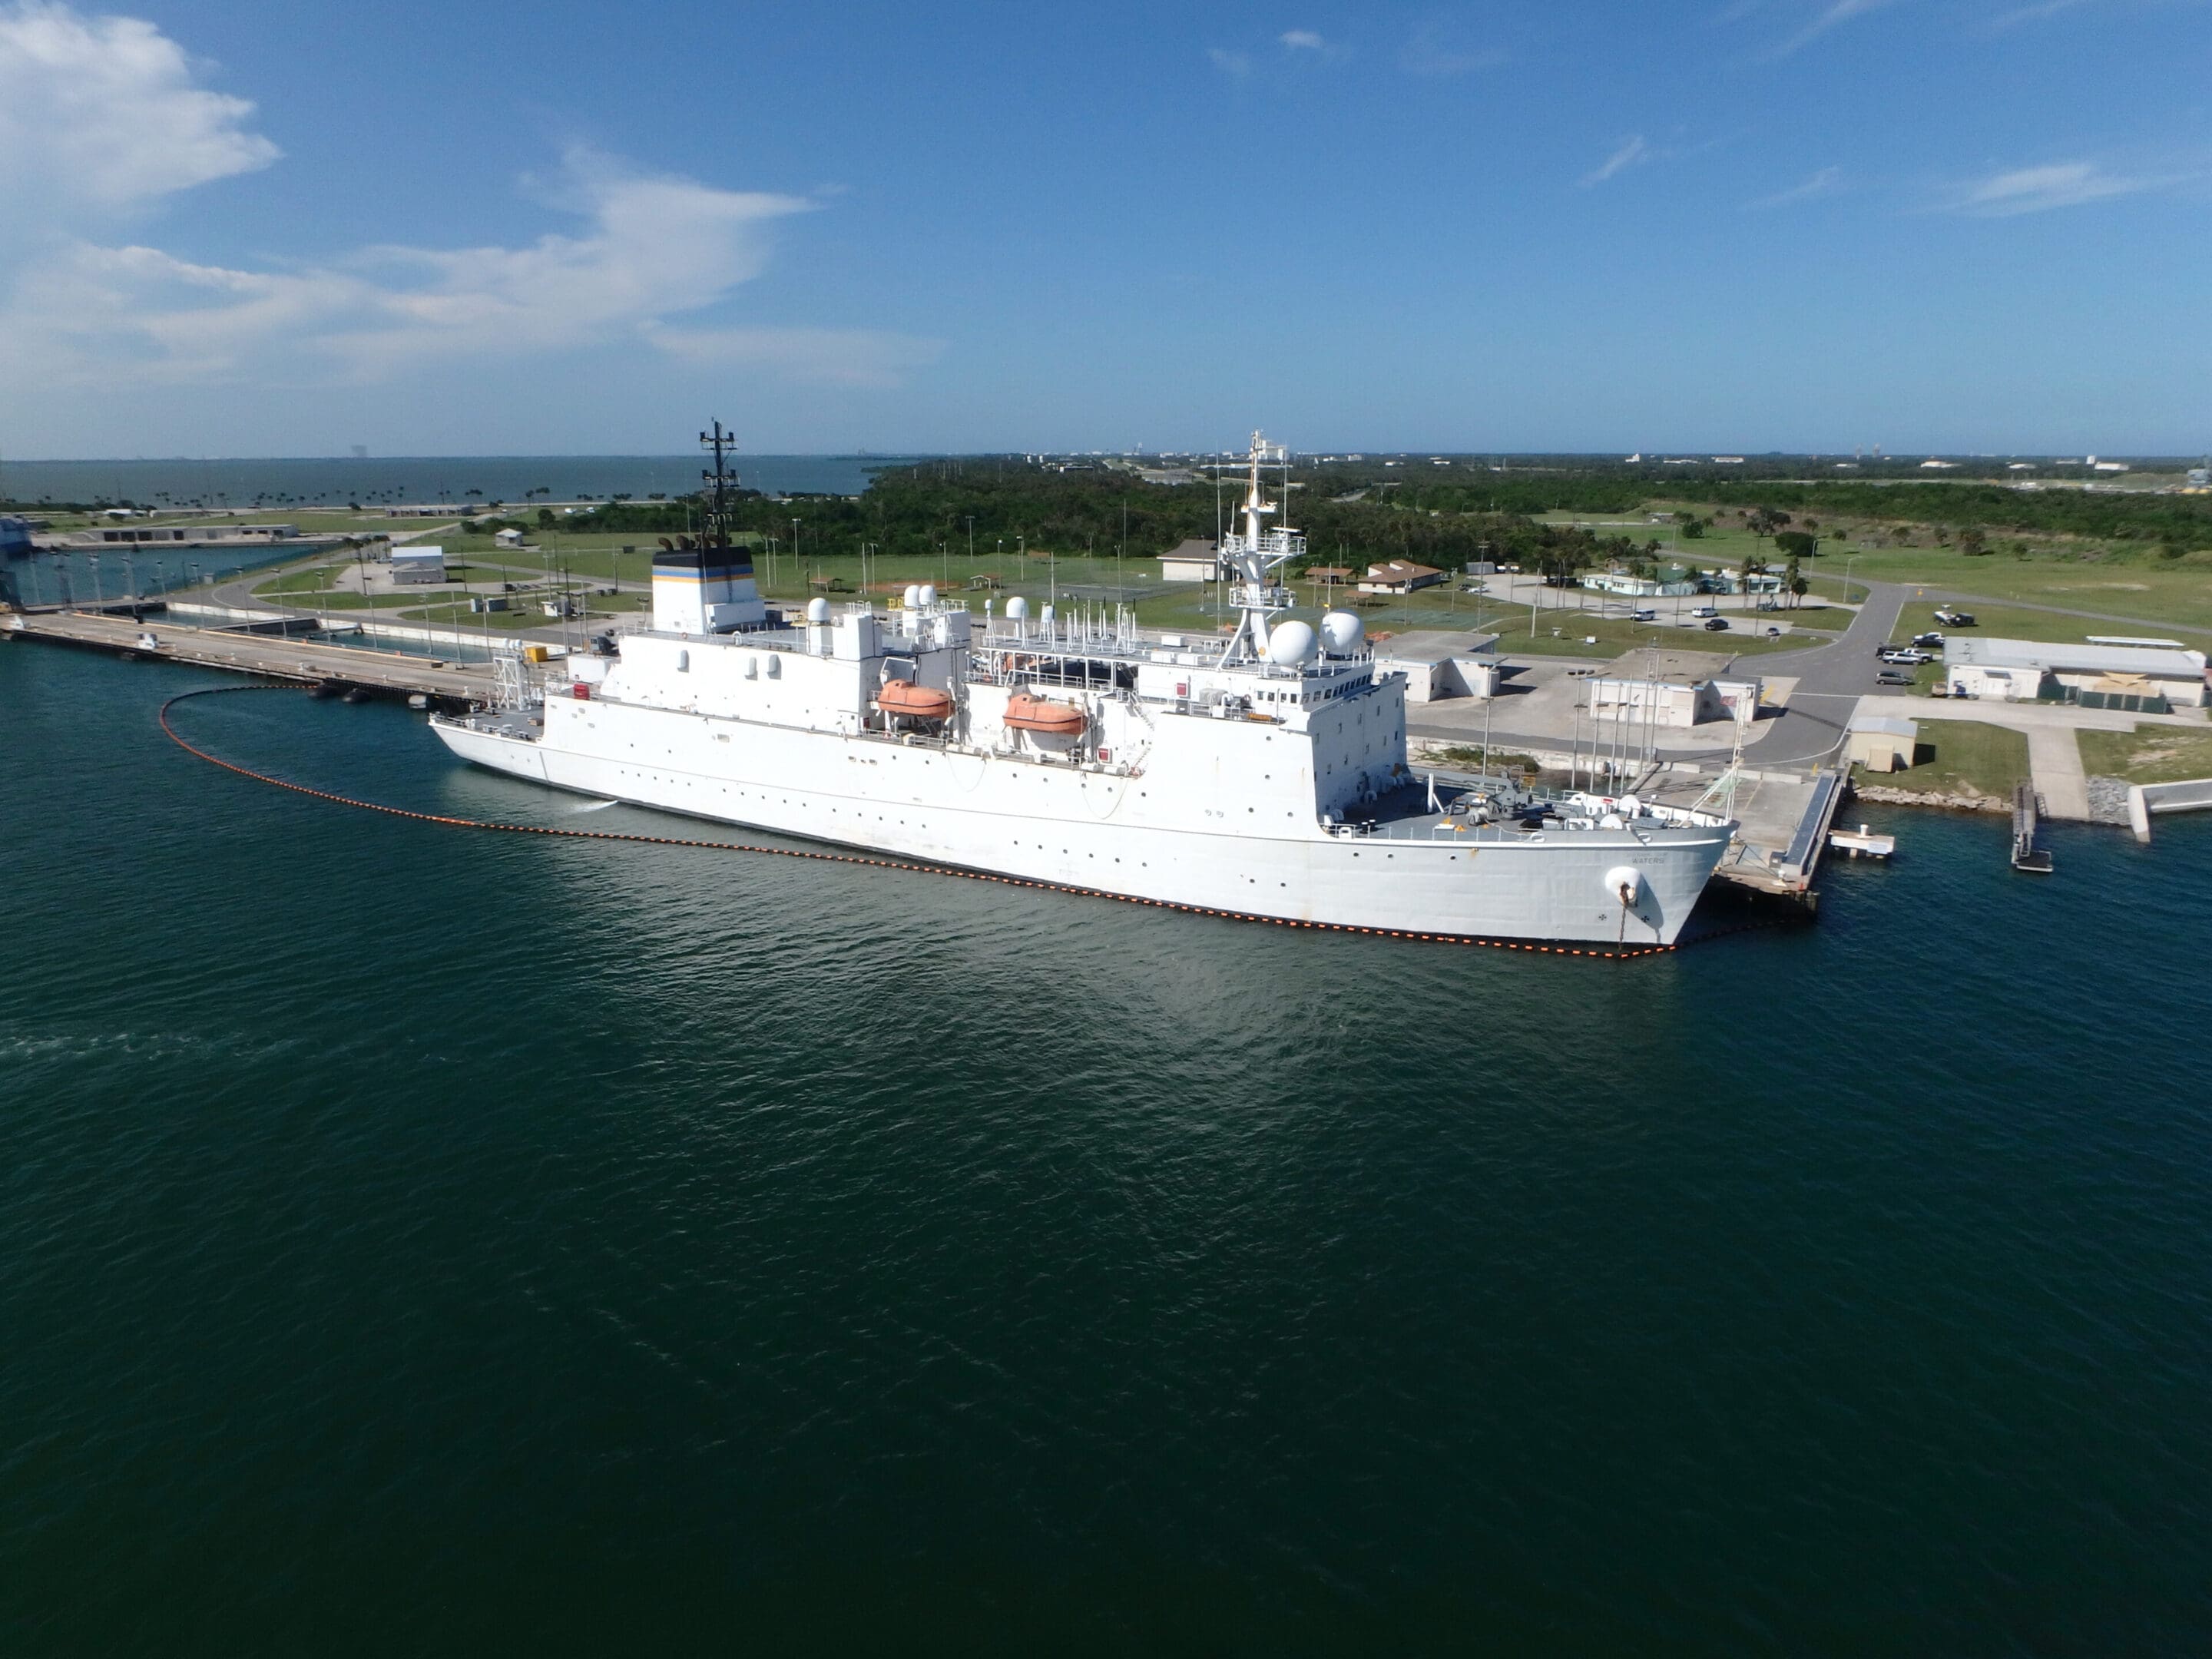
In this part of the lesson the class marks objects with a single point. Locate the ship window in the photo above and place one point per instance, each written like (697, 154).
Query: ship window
(683, 662)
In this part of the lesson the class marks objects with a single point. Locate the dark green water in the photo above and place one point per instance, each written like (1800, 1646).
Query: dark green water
(412, 1240)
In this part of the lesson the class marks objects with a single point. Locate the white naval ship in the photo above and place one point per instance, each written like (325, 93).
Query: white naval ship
(1262, 773)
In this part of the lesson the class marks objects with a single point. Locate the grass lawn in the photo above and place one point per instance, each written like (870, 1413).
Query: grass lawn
(2011, 623)
(524, 612)
(2156, 593)
(2149, 754)
(1961, 756)
(314, 579)
(1467, 757)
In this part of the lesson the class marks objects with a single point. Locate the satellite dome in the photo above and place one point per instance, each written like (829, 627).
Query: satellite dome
(1291, 644)
(928, 594)
(818, 609)
(913, 597)
(1342, 632)
(1018, 607)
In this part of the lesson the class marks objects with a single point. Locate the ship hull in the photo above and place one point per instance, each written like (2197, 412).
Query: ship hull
(1100, 832)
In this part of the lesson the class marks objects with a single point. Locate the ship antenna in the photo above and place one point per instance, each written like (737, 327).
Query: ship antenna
(718, 517)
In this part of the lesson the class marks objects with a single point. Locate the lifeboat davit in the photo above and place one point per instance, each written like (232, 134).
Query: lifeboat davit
(1027, 714)
(919, 702)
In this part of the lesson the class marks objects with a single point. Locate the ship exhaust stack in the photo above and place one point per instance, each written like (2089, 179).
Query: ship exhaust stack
(709, 589)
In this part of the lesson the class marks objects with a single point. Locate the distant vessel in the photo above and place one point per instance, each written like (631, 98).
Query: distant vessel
(1263, 774)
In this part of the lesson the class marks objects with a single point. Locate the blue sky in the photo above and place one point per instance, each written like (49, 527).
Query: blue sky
(234, 229)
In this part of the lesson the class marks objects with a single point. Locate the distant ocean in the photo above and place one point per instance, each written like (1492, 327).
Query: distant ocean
(418, 478)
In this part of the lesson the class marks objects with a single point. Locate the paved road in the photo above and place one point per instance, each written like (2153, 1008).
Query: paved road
(1831, 679)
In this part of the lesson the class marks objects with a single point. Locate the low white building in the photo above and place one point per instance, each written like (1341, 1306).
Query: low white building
(1439, 664)
(1191, 561)
(418, 565)
(1627, 586)
(507, 537)
(2094, 675)
(1670, 701)
(1882, 744)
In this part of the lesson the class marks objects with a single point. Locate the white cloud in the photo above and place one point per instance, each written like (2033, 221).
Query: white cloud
(1831, 16)
(653, 248)
(101, 114)
(1632, 151)
(1303, 39)
(1230, 63)
(1429, 51)
(1826, 182)
(2038, 189)
(2034, 14)
(842, 357)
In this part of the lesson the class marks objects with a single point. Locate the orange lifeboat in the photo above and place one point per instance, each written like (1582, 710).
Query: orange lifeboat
(1027, 714)
(921, 702)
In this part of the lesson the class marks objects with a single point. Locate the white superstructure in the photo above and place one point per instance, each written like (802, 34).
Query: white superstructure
(1261, 774)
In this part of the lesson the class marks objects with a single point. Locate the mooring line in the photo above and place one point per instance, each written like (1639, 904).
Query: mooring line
(448, 821)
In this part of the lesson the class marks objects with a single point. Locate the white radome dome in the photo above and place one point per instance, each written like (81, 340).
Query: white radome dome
(818, 609)
(913, 597)
(1018, 607)
(1291, 644)
(928, 594)
(1342, 632)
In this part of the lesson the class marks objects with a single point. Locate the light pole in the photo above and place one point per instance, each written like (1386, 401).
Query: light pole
(1847, 563)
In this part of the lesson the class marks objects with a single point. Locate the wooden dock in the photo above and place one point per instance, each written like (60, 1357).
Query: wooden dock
(272, 656)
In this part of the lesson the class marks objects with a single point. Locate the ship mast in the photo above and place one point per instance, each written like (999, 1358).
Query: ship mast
(1255, 556)
(718, 516)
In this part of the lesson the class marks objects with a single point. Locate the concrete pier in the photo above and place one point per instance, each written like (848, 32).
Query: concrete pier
(2144, 798)
(309, 662)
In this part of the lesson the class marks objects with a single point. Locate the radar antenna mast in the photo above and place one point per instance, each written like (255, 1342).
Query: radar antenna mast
(718, 516)
(1255, 555)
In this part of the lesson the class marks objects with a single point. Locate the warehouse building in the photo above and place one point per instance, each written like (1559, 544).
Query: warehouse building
(2143, 675)
(423, 566)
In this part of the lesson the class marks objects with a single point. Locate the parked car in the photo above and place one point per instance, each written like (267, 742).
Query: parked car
(1903, 654)
(1955, 618)
(1703, 611)
(1716, 624)
(1891, 676)
(1931, 640)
